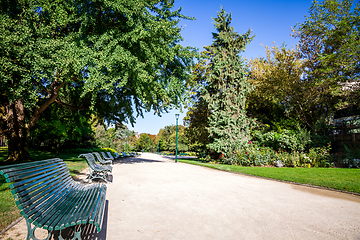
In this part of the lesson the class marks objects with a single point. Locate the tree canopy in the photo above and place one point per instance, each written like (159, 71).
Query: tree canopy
(329, 42)
(114, 57)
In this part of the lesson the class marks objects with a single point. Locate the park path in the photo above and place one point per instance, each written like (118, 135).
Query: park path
(151, 197)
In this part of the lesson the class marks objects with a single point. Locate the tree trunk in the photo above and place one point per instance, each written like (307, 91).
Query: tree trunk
(16, 133)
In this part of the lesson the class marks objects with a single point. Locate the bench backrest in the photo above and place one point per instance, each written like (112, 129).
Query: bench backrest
(93, 165)
(110, 155)
(106, 157)
(100, 159)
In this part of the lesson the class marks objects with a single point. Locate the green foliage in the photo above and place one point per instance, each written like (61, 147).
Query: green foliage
(284, 93)
(254, 155)
(227, 88)
(197, 116)
(144, 143)
(329, 43)
(166, 138)
(108, 137)
(61, 128)
(287, 140)
(113, 57)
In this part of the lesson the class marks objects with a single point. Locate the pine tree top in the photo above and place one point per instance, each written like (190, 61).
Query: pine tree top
(226, 37)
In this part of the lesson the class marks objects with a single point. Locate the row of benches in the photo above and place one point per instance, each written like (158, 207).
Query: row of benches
(49, 198)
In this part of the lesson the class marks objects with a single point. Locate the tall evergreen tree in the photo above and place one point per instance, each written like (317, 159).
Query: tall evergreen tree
(227, 89)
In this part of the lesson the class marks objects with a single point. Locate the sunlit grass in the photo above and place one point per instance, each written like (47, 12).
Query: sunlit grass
(345, 179)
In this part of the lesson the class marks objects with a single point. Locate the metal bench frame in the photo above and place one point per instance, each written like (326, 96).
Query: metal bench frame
(49, 198)
(96, 170)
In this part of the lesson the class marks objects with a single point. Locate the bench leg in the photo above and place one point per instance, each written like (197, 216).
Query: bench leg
(31, 232)
(77, 234)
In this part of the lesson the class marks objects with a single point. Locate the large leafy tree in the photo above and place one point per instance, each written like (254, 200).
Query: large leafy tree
(111, 56)
(61, 127)
(329, 41)
(283, 91)
(227, 88)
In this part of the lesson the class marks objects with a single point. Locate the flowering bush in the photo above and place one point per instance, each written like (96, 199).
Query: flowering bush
(253, 155)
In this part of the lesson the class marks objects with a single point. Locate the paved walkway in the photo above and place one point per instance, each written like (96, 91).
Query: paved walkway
(151, 197)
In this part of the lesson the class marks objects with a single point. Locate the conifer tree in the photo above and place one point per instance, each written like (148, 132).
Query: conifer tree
(227, 88)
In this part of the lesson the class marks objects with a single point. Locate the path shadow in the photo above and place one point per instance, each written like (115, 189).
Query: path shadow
(88, 231)
(83, 178)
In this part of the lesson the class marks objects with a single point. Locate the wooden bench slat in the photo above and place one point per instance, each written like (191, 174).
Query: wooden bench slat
(97, 209)
(59, 223)
(12, 170)
(102, 161)
(91, 205)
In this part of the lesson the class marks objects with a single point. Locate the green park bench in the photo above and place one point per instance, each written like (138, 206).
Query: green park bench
(117, 156)
(50, 199)
(96, 170)
(183, 154)
(126, 155)
(106, 157)
(101, 160)
(110, 155)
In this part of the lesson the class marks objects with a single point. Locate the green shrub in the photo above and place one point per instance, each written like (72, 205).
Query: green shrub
(253, 155)
(287, 140)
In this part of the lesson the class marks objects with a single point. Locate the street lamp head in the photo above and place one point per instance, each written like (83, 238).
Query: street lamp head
(177, 116)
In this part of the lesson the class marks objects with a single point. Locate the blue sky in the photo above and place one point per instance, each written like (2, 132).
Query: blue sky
(270, 21)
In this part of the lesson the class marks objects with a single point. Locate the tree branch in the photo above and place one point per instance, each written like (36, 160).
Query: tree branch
(54, 93)
(70, 106)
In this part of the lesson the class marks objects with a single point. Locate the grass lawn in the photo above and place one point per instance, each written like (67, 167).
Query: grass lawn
(345, 179)
(8, 209)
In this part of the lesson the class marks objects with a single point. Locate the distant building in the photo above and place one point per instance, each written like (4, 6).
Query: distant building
(347, 121)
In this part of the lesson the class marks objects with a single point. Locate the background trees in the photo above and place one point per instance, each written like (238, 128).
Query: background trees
(113, 57)
(298, 91)
(166, 139)
(284, 93)
(329, 43)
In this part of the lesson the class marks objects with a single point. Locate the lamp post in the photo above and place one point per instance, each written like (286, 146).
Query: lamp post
(126, 145)
(177, 118)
